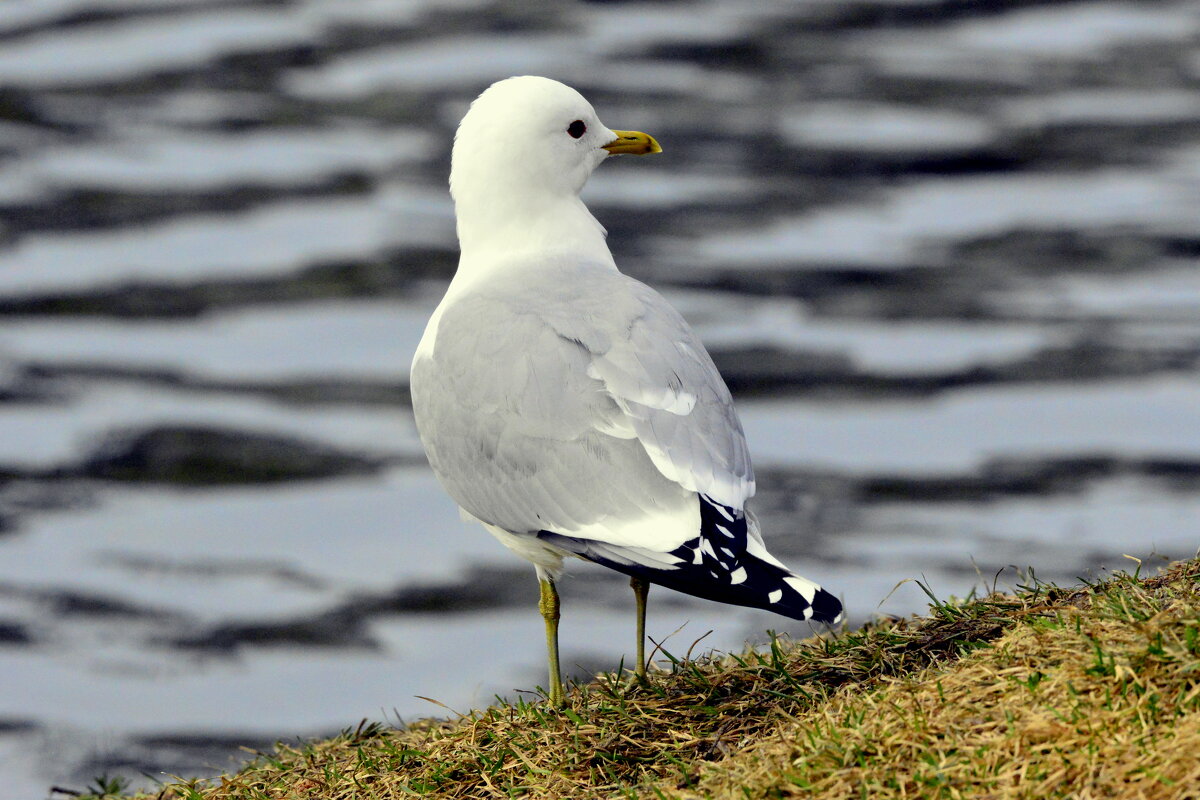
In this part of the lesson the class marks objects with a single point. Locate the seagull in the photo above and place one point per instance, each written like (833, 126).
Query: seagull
(568, 407)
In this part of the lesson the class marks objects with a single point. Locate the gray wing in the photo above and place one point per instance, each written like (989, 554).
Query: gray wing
(675, 401)
(585, 407)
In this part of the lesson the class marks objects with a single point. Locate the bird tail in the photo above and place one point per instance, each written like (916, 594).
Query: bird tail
(789, 594)
(752, 582)
(726, 563)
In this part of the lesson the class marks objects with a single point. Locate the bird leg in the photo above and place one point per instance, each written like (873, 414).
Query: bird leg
(548, 605)
(641, 588)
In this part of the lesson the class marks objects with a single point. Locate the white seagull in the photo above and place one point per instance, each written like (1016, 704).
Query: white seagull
(567, 407)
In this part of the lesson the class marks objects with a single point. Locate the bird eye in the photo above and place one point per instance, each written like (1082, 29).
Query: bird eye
(577, 129)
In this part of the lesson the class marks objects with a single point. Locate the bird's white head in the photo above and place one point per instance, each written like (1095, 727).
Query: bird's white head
(524, 151)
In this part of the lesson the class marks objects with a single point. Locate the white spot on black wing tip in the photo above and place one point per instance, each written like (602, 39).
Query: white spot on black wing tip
(806, 589)
(738, 576)
(775, 596)
(827, 608)
(722, 511)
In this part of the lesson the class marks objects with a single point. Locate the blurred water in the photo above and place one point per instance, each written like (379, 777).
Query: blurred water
(946, 255)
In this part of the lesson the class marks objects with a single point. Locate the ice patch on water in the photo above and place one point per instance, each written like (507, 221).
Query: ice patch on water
(1078, 30)
(346, 536)
(471, 62)
(461, 62)
(877, 127)
(1170, 293)
(1104, 107)
(902, 348)
(272, 239)
(160, 160)
(1012, 45)
(43, 436)
(331, 340)
(22, 764)
(892, 231)
(20, 14)
(1063, 537)
(114, 51)
(204, 107)
(957, 433)
(645, 78)
(1110, 517)
(390, 13)
(608, 29)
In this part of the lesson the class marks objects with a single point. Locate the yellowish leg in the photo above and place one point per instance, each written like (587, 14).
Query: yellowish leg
(641, 588)
(548, 605)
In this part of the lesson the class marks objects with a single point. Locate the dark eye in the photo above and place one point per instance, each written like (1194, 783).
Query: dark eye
(577, 129)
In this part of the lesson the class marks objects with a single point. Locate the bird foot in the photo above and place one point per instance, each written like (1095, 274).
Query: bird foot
(635, 679)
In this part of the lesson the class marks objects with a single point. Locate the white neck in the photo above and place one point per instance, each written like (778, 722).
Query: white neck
(535, 225)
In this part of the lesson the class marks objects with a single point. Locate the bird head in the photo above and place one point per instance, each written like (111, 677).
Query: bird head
(534, 136)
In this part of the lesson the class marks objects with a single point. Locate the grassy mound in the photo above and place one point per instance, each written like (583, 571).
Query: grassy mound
(1091, 692)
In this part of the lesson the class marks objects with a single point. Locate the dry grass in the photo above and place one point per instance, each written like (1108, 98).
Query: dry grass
(1090, 693)
(1095, 697)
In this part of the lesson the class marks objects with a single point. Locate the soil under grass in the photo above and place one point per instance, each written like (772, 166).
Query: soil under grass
(1087, 692)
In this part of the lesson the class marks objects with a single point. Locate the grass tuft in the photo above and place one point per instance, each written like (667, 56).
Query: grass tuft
(1088, 692)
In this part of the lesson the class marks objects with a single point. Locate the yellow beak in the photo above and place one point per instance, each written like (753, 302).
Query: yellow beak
(634, 143)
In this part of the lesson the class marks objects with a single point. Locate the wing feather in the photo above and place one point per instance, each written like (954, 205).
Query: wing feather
(674, 399)
(584, 407)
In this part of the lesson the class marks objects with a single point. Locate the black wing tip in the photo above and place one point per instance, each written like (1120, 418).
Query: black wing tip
(824, 607)
(827, 608)
(716, 566)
